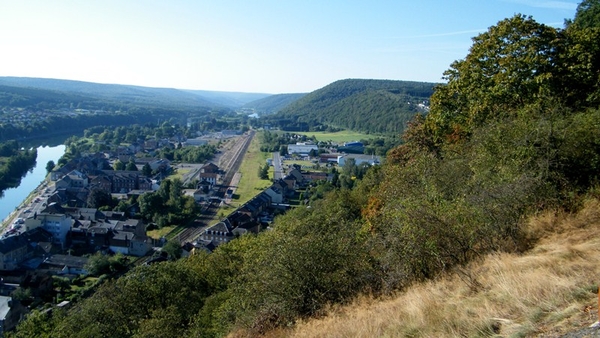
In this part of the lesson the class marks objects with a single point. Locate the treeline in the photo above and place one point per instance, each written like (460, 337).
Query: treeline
(273, 103)
(467, 176)
(104, 138)
(67, 124)
(167, 205)
(14, 164)
(372, 106)
(51, 112)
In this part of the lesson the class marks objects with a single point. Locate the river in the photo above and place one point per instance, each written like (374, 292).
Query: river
(13, 197)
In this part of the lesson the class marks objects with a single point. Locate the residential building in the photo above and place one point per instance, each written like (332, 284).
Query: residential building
(11, 312)
(57, 224)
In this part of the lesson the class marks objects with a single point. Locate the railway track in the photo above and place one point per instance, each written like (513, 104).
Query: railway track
(232, 165)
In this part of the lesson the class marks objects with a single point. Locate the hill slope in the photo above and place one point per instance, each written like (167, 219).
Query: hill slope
(376, 106)
(547, 291)
(137, 95)
(272, 104)
(229, 99)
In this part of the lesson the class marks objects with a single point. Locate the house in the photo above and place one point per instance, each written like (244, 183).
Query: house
(123, 181)
(296, 174)
(189, 249)
(294, 179)
(275, 194)
(160, 165)
(74, 179)
(95, 234)
(11, 312)
(129, 238)
(57, 224)
(219, 233)
(13, 250)
(65, 265)
(209, 173)
(102, 182)
(282, 186)
(250, 227)
(203, 191)
(151, 144)
(16, 249)
(256, 205)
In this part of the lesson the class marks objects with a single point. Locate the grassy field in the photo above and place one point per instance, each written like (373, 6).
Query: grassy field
(179, 174)
(338, 137)
(158, 233)
(250, 184)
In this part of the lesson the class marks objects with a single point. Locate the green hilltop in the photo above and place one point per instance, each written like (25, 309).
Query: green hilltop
(373, 106)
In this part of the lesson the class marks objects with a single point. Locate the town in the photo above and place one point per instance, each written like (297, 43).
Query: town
(66, 221)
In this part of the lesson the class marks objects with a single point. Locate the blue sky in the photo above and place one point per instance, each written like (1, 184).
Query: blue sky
(263, 46)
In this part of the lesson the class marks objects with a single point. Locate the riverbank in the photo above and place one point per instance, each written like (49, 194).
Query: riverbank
(10, 219)
(15, 198)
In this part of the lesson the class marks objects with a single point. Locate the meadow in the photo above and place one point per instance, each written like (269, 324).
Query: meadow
(338, 137)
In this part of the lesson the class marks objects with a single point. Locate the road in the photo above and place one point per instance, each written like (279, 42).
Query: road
(278, 166)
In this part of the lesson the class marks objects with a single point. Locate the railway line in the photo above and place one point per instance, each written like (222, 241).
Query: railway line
(230, 162)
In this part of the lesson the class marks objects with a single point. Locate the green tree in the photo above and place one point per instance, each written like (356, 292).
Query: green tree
(587, 15)
(131, 165)
(98, 264)
(147, 170)
(173, 248)
(98, 198)
(118, 165)
(49, 166)
(263, 172)
(509, 66)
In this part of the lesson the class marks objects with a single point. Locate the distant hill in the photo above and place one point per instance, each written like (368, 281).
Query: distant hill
(273, 103)
(135, 95)
(229, 99)
(375, 106)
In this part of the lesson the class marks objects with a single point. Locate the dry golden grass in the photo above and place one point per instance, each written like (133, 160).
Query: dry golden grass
(545, 292)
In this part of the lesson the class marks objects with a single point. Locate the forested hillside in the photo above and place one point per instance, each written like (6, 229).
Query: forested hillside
(374, 106)
(69, 107)
(111, 94)
(273, 103)
(229, 99)
(133, 95)
(515, 132)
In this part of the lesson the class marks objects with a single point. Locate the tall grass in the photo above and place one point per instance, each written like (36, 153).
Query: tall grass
(547, 291)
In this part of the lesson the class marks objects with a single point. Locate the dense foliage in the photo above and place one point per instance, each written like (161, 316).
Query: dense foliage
(273, 103)
(14, 164)
(460, 186)
(167, 205)
(373, 106)
(34, 108)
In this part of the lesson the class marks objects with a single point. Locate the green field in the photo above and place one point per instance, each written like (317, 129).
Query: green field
(158, 233)
(338, 137)
(250, 184)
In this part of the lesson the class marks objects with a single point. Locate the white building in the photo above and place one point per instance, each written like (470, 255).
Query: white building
(301, 148)
(56, 224)
(358, 159)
